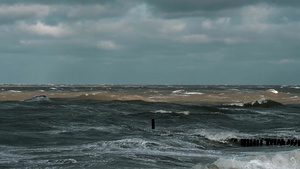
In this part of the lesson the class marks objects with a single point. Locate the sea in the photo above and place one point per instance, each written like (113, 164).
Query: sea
(149, 126)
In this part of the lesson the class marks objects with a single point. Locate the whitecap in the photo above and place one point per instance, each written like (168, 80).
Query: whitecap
(14, 91)
(169, 112)
(162, 111)
(260, 102)
(177, 91)
(183, 112)
(220, 136)
(272, 91)
(41, 98)
(193, 93)
(234, 89)
(62, 161)
(239, 104)
(279, 160)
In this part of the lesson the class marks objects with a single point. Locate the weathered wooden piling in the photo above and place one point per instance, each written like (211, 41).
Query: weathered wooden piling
(153, 123)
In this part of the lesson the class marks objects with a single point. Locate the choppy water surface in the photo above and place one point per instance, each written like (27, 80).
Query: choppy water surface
(67, 126)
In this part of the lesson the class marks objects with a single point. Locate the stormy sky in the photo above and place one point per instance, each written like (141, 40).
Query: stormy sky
(149, 42)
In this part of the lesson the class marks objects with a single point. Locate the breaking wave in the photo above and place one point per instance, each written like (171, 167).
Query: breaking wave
(178, 112)
(41, 98)
(290, 159)
(175, 92)
(263, 102)
(272, 91)
(221, 136)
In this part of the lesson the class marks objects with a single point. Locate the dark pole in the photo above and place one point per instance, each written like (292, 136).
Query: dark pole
(153, 123)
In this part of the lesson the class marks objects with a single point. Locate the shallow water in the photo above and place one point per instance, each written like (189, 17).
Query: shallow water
(110, 126)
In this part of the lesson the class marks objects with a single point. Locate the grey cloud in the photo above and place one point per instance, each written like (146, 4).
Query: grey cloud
(188, 8)
(10, 14)
(118, 41)
(57, 1)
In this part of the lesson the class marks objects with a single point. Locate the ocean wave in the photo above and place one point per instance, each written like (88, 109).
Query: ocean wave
(220, 136)
(41, 98)
(295, 87)
(280, 160)
(14, 91)
(129, 144)
(61, 161)
(272, 91)
(192, 93)
(166, 111)
(262, 102)
(175, 92)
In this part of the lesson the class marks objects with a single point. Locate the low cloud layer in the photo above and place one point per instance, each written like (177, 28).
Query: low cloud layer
(150, 42)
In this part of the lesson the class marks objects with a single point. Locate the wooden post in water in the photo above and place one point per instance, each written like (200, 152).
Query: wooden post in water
(153, 123)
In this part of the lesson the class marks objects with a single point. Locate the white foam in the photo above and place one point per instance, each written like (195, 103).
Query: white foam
(162, 111)
(234, 89)
(14, 91)
(220, 136)
(177, 91)
(62, 161)
(240, 104)
(111, 129)
(193, 93)
(38, 99)
(128, 144)
(260, 101)
(183, 112)
(169, 112)
(272, 91)
(279, 160)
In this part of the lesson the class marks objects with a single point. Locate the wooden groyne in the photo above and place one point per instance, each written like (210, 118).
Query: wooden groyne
(267, 142)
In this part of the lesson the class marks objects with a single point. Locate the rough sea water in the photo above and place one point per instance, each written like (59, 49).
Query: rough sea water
(109, 126)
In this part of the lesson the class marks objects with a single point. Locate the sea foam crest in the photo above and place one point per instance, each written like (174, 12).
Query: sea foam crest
(219, 136)
(14, 91)
(186, 93)
(262, 102)
(41, 98)
(177, 91)
(278, 160)
(193, 93)
(166, 111)
(272, 91)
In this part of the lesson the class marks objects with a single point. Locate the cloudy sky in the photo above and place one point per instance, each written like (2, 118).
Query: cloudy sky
(149, 42)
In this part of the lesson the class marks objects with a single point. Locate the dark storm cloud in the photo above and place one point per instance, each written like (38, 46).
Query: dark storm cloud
(186, 8)
(54, 12)
(72, 2)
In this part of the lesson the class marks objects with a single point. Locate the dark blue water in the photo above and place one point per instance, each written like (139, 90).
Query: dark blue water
(79, 132)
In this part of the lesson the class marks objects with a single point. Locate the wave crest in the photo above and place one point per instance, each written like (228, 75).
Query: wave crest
(262, 102)
(220, 136)
(279, 160)
(41, 98)
(169, 112)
